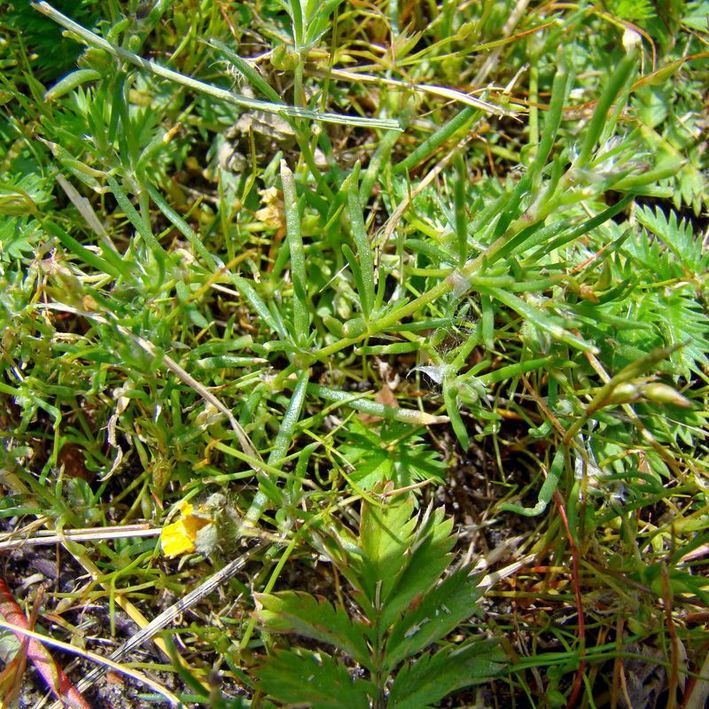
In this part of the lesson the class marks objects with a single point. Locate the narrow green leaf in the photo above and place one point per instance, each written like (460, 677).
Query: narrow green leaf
(300, 613)
(600, 116)
(487, 322)
(89, 257)
(356, 276)
(296, 13)
(108, 248)
(545, 493)
(513, 370)
(267, 487)
(301, 316)
(561, 87)
(137, 221)
(374, 408)
(182, 226)
(450, 399)
(459, 122)
(289, 421)
(540, 319)
(379, 160)
(70, 82)
(249, 292)
(566, 237)
(461, 221)
(531, 236)
(393, 348)
(364, 247)
(635, 183)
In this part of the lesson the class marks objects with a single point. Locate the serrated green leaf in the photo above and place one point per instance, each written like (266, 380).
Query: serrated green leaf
(429, 558)
(313, 679)
(392, 453)
(428, 679)
(433, 617)
(685, 248)
(301, 613)
(385, 536)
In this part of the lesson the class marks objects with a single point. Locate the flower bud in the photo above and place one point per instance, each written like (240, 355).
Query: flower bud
(661, 393)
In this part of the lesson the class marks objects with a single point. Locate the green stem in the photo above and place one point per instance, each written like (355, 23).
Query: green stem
(228, 96)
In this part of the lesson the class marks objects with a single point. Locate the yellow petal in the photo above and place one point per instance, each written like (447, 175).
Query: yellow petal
(179, 537)
(175, 539)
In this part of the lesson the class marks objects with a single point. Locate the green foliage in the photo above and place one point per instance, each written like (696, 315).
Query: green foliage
(395, 565)
(632, 10)
(199, 287)
(52, 54)
(394, 453)
(314, 678)
(671, 315)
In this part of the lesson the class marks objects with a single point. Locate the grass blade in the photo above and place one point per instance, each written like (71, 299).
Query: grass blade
(301, 315)
(362, 244)
(214, 91)
(620, 77)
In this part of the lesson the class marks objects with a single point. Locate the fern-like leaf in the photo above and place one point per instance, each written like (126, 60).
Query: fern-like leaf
(394, 564)
(433, 617)
(679, 247)
(428, 559)
(426, 680)
(301, 613)
(306, 678)
(392, 454)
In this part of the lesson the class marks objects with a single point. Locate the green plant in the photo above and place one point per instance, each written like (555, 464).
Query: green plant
(227, 229)
(408, 599)
(394, 454)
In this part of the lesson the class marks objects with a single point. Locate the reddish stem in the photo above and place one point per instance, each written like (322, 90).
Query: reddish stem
(52, 674)
(576, 581)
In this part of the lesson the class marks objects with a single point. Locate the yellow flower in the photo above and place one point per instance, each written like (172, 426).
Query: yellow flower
(179, 537)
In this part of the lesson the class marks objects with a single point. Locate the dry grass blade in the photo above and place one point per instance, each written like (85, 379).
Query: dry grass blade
(45, 537)
(441, 91)
(104, 662)
(50, 671)
(165, 618)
